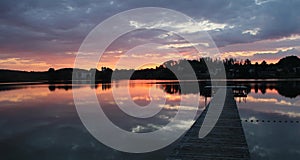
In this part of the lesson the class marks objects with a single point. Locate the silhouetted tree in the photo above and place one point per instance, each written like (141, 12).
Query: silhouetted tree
(263, 63)
(247, 62)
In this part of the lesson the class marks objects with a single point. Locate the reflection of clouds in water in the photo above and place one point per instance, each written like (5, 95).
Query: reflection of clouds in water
(273, 139)
(271, 104)
(55, 110)
(288, 113)
(176, 107)
(283, 102)
(122, 98)
(172, 101)
(143, 98)
(22, 95)
(296, 151)
(264, 139)
(181, 125)
(139, 129)
(272, 100)
(146, 128)
(173, 97)
(253, 119)
(260, 151)
(141, 93)
(169, 107)
(297, 103)
(166, 117)
(261, 100)
(277, 105)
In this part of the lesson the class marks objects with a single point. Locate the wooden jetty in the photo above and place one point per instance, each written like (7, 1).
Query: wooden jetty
(226, 140)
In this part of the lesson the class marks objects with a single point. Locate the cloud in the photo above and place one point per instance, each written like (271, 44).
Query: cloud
(179, 45)
(60, 23)
(261, 2)
(270, 56)
(253, 32)
(11, 63)
(35, 29)
(275, 56)
(187, 27)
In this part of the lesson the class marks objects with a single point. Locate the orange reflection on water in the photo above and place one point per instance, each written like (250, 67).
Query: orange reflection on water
(140, 92)
(267, 90)
(32, 95)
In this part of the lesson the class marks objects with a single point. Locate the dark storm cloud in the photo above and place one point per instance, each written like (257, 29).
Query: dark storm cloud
(273, 19)
(44, 26)
(280, 19)
(48, 26)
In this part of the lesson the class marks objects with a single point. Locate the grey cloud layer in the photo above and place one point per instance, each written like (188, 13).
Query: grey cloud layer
(60, 25)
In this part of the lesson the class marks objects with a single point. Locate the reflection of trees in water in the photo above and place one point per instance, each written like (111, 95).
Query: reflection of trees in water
(106, 86)
(263, 88)
(289, 89)
(52, 87)
(171, 88)
(185, 88)
(256, 88)
(66, 87)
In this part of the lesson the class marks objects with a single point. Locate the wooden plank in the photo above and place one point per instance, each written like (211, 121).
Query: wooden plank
(225, 141)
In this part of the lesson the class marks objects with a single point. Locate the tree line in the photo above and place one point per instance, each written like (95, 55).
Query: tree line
(287, 67)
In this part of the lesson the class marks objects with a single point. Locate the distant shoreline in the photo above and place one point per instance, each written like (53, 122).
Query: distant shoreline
(159, 81)
(287, 87)
(285, 68)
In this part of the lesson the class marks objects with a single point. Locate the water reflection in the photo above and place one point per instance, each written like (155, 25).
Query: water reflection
(269, 120)
(140, 95)
(289, 89)
(40, 121)
(52, 87)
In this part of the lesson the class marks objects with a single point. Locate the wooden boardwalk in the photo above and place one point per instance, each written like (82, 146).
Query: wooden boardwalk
(225, 141)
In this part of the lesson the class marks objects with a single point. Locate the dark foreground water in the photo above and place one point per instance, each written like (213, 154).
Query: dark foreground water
(271, 116)
(40, 121)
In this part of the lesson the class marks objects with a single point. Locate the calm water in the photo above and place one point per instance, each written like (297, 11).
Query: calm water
(40, 121)
(276, 106)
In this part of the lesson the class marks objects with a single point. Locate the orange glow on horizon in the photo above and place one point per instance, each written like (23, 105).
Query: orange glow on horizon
(58, 62)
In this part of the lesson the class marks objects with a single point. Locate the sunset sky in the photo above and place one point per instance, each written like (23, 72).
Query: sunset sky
(39, 34)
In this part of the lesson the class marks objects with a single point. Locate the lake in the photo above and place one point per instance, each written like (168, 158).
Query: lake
(40, 121)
